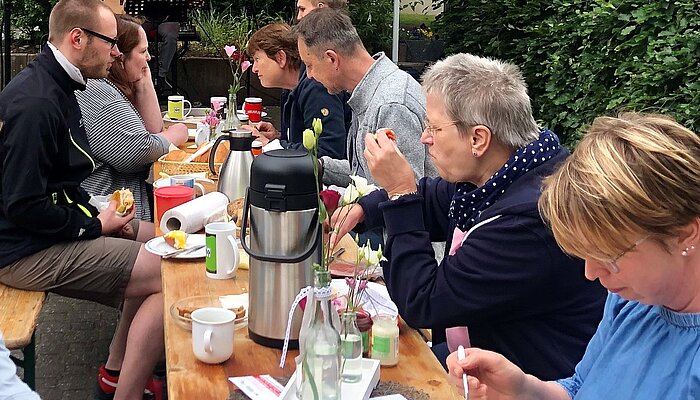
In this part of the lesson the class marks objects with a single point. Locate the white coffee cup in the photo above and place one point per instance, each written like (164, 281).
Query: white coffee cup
(176, 107)
(222, 102)
(212, 334)
(222, 250)
(187, 180)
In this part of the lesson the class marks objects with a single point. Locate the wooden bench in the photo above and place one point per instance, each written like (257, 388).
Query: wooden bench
(19, 314)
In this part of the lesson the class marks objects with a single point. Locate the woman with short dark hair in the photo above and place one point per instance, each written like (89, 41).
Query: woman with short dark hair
(277, 63)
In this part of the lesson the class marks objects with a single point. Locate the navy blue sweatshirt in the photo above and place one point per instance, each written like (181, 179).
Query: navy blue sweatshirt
(509, 282)
(44, 155)
(310, 100)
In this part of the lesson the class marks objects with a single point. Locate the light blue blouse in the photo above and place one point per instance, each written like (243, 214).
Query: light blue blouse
(639, 352)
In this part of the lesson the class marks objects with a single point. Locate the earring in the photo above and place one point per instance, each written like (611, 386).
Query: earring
(685, 252)
(475, 156)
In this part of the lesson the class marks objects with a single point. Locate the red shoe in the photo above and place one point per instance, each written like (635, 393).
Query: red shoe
(107, 385)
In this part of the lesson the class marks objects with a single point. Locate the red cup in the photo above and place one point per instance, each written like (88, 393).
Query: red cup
(253, 108)
(168, 197)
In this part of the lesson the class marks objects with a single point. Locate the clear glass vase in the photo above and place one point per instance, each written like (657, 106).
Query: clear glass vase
(231, 122)
(351, 345)
(322, 360)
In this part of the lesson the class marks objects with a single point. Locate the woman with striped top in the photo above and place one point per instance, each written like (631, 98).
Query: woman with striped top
(123, 121)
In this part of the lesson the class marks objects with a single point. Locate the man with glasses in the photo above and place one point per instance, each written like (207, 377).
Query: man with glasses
(381, 95)
(51, 238)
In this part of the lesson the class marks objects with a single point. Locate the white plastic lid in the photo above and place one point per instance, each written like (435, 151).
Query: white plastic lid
(253, 100)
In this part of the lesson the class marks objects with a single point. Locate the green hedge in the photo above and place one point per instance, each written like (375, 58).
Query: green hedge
(582, 59)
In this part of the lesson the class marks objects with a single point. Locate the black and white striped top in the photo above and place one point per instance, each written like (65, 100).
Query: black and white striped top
(122, 147)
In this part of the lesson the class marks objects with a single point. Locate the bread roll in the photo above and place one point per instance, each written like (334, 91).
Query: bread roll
(176, 155)
(176, 239)
(125, 201)
(221, 153)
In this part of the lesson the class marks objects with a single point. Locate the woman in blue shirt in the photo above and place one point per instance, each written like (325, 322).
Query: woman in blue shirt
(627, 201)
(277, 63)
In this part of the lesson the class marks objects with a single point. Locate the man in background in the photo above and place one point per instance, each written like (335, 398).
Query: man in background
(381, 95)
(306, 6)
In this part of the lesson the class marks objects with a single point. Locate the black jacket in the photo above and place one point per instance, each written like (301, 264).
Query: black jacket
(509, 283)
(310, 100)
(44, 155)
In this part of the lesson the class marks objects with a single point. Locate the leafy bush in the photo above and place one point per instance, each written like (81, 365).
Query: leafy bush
(584, 58)
(29, 20)
(218, 29)
(373, 20)
(259, 11)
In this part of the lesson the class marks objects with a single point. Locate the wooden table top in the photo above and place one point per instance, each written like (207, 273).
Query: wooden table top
(189, 378)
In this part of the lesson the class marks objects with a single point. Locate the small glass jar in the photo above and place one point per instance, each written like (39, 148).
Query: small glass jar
(351, 348)
(385, 340)
(256, 148)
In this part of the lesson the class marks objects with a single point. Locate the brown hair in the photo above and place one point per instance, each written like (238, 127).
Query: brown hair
(632, 176)
(128, 29)
(273, 38)
(68, 14)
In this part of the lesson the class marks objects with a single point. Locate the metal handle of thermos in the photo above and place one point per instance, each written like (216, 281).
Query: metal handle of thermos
(212, 152)
(278, 259)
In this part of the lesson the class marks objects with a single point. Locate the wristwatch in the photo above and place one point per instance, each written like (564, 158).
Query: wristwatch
(396, 196)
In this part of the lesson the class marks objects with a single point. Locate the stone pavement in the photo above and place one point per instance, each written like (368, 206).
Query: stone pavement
(72, 341)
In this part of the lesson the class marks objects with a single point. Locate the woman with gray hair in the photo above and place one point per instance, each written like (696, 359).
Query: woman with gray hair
(626, 201)
(503, 277)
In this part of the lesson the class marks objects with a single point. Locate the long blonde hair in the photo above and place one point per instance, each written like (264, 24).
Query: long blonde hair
(630, 176)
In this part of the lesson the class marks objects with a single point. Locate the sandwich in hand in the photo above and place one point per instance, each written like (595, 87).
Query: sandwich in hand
(125, 201)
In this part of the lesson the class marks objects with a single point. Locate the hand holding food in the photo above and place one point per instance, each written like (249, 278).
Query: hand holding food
(125, 201)
(389, 133)
(176, 239)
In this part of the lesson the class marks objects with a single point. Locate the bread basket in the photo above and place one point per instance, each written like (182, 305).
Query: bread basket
(180, 168)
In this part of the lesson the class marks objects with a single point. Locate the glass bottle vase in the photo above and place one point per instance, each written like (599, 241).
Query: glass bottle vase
(351, 348)
(231, 122)
(321, 362)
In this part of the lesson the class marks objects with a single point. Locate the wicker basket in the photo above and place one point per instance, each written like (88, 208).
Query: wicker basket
(180, 168)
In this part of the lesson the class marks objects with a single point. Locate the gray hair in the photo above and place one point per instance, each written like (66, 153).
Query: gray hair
(326, 28)
(484, 91)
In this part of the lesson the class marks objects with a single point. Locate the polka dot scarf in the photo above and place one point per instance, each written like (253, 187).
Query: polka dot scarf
(468, 203)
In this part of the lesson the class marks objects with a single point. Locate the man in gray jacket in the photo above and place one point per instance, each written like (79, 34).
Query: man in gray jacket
(382, 95)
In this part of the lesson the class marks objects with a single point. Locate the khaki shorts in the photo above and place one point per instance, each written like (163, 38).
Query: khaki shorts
(97, 270)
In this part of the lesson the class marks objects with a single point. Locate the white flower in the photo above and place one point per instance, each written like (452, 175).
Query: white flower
(373, 257)
(360, 183)
(351, 195)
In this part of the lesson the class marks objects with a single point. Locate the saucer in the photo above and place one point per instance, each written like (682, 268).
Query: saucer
(181, 309)
(158, 246)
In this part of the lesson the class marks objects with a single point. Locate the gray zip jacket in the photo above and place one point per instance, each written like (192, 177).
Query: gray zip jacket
(386, 97)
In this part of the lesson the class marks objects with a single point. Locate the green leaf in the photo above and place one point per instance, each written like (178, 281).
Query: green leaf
(626, 31)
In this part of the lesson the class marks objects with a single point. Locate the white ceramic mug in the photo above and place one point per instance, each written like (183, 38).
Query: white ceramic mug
(187, 180)
(222, 105)
(222, 250)
(212, 334)
(176, 105)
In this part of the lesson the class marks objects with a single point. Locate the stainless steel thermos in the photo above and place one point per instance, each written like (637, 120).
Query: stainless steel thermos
(281, 208)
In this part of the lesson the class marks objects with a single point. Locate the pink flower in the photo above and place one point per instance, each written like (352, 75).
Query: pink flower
(211, 119)
(230, 50)
(330, 199)
(216, 105)
(245, 65)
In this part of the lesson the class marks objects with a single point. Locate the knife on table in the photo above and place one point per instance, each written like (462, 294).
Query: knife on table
(183, 251)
